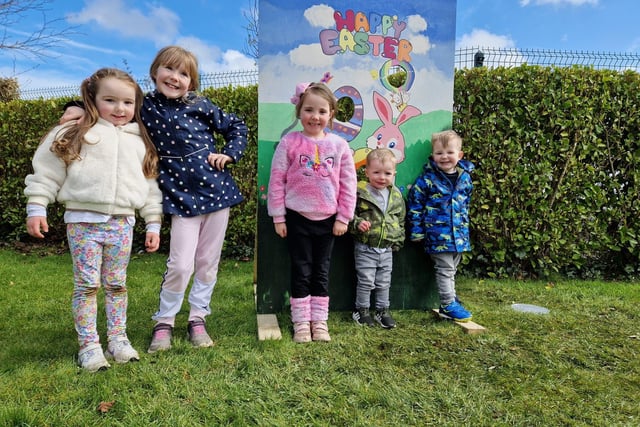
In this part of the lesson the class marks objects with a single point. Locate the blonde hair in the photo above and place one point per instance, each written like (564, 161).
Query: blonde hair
(175, 56)
(323, 91)
(382, 154)
(447, 137)
(69, 140)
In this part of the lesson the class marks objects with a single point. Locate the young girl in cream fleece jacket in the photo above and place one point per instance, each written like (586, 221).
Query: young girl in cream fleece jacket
(102, 169)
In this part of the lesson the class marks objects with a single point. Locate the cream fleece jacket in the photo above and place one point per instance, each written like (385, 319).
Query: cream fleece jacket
(107, 179)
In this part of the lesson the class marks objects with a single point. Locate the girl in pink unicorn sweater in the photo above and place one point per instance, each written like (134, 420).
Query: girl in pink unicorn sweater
(312, 196)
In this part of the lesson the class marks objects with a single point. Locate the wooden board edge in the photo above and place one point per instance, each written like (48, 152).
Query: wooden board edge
(469, 327)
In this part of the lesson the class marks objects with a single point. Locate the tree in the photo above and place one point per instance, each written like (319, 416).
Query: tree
(251, 46)
(37, 43)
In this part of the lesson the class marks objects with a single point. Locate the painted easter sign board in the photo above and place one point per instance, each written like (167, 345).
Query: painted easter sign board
(393, 63)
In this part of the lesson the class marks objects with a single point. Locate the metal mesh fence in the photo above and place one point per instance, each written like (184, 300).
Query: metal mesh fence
(503, 57)
(215, 80)
(464, 58)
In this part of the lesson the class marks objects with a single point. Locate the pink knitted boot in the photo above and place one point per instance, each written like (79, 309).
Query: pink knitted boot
(319, 317)
(300, 316)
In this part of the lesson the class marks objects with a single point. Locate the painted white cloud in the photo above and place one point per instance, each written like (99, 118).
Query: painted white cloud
(320, 16)
(416, 25)
(557, 2)
(310, 56)
(438, 97)
(483, 38)
(420, 44)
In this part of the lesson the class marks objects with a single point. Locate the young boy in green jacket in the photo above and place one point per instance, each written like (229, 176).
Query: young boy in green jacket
(378, 231)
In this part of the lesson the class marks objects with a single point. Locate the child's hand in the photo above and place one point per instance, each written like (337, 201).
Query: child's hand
(152, 242)
(219, 161)
(281, 229)
(72, 113)
(364, 226)
(339, 228)
(36, 225)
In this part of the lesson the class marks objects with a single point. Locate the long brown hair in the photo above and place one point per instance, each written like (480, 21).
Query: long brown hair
(69, 140)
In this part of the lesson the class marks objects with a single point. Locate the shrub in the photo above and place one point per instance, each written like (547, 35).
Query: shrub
(557, 152)
(9, 89)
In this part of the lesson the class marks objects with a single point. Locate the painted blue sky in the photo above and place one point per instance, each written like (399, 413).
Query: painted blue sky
(110, 33)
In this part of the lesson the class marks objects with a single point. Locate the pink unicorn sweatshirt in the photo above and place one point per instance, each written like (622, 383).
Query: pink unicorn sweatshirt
(314, 177)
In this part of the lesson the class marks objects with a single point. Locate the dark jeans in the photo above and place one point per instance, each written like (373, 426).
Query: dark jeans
(310, 246)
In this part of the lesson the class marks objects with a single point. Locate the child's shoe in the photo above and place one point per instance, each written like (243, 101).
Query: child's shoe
(198, 334)
(456, 311)
(92, 358)
(121, 351)
(362, 317)
(161, 338)
(383, 317)
(320, 331)
(301, 332)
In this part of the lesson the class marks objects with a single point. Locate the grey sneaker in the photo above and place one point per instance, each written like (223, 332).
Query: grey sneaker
(121, 351)
(91, 358)
(362, 317)
(383, 317)
(198, 334)
(161, 339)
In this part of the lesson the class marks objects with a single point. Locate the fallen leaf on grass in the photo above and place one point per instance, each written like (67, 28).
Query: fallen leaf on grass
(105, 407)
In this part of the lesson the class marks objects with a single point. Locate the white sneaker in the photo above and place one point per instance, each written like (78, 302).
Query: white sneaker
(120, 351)
(92, 359)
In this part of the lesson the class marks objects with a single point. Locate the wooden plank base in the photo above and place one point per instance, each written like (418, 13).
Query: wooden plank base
(268, 328)
(469, 327)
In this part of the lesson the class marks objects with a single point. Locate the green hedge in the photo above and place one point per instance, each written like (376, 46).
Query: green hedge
(24, 123)
(557, 183)
(556, 190)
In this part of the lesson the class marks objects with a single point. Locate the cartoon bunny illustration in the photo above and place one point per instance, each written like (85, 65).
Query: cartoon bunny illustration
(388, 135)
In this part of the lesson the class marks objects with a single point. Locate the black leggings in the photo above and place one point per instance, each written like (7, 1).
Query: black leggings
(310, 246)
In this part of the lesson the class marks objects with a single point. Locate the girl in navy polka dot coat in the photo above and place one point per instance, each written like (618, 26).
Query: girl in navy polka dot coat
(198, 190)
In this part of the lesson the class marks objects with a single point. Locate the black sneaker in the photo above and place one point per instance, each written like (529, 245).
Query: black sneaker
(362, 317)
(383, 317)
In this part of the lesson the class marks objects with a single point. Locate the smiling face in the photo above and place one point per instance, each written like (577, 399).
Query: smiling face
(172, 81)
(446, 157)
(116, 101)
(174, 71)
(380, 172)
(315, 114)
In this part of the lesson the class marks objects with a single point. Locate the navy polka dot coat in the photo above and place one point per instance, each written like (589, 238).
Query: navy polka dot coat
(183, 134)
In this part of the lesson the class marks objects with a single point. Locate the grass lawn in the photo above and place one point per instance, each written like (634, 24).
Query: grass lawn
(578, 365)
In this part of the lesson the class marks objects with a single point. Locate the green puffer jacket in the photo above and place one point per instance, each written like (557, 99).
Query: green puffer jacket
(387, 228)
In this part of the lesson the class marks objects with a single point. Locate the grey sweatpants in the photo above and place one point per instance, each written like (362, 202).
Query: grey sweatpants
(446, 265)
(373, 271)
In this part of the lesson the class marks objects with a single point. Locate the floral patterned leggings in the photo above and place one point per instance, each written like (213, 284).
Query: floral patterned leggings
(100, 253)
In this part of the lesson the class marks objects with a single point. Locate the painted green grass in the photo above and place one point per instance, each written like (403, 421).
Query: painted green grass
(579, 365)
